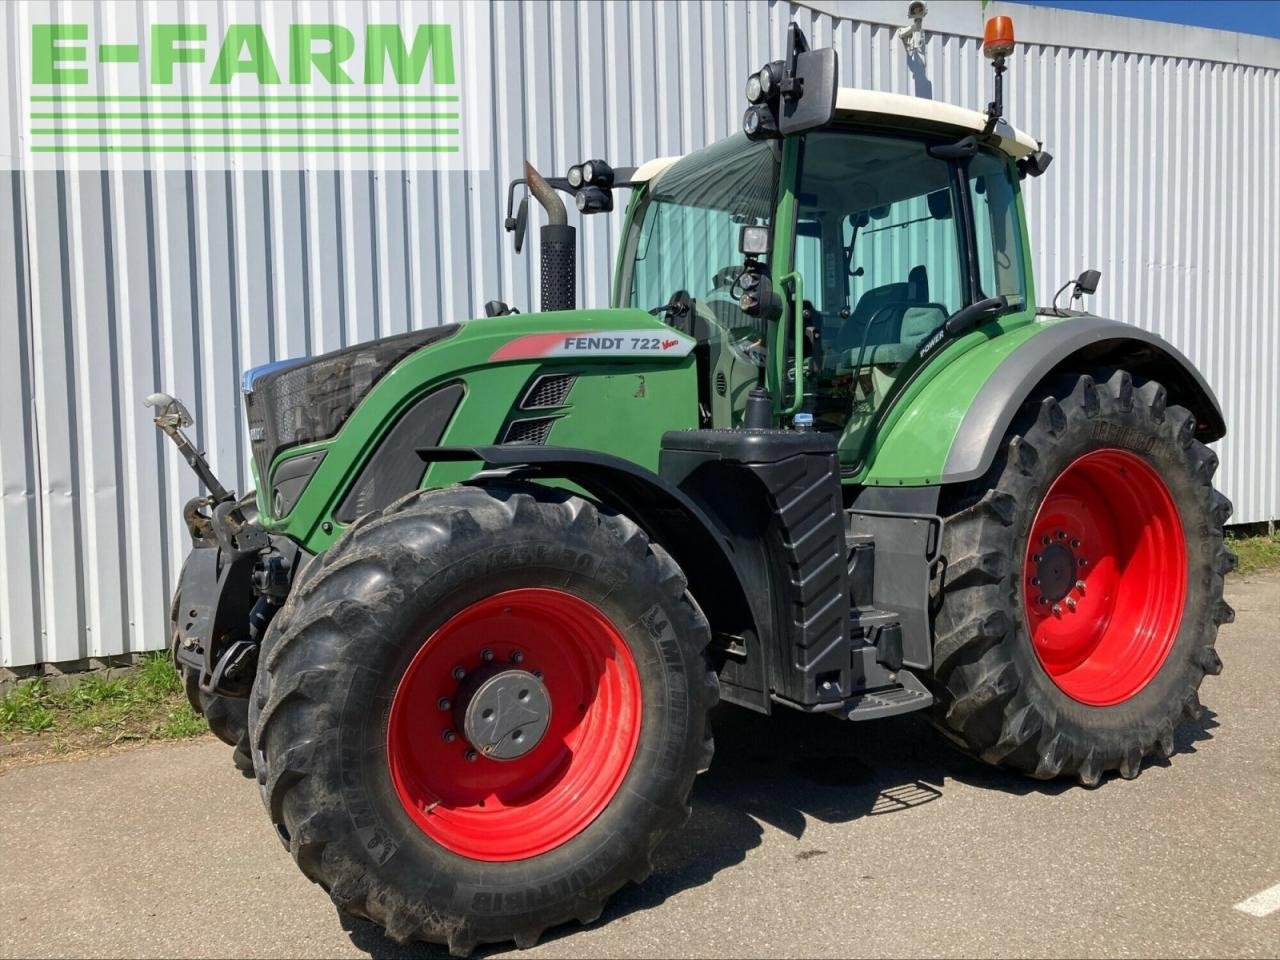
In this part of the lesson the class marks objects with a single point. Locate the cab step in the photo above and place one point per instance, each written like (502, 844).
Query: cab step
(905, 696)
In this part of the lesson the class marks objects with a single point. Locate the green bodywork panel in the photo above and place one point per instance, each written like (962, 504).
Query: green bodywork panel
(911, 447)
(619, 405)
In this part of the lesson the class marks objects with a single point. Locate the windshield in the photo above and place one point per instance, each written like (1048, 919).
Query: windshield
(688, 225)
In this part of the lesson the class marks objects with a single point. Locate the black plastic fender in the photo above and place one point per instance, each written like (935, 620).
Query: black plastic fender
(1079, 343)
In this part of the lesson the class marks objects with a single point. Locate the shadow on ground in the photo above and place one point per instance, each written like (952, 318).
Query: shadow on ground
(783, 771)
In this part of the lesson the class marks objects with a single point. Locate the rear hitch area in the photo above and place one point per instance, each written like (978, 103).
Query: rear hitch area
(234, 579)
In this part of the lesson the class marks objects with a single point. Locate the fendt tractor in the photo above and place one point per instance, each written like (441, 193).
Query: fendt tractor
(825, 452)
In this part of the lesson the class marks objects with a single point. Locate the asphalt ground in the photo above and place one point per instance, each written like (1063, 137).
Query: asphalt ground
(809, 837)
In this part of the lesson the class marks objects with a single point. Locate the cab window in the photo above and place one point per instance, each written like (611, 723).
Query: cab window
(880, 254)
(995, 220)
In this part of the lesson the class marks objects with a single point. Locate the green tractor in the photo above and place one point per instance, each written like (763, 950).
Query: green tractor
(823, 452)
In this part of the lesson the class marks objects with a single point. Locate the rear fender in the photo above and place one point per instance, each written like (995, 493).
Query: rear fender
(950, 430)
(1077, 344)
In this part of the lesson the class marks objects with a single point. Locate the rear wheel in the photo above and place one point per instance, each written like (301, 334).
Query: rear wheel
(1082, 589)
(480, 711)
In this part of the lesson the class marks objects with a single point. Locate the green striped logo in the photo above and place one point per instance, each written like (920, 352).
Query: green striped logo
(111, 85)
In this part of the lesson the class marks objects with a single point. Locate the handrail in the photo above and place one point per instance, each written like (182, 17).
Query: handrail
(795, 280)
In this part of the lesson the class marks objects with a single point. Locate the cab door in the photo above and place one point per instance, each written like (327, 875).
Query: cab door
(891, 237)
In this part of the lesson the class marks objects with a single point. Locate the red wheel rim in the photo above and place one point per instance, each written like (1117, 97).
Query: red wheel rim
(490, 809)
(1105, 577)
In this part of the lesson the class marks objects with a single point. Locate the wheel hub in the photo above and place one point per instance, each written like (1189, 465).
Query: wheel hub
(504, 713)
(1055, 572)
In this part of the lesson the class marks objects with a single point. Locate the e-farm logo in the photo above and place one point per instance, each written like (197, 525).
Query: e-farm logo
(147, 84)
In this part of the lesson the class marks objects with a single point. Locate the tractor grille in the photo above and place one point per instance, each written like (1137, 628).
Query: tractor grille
(548, 390)
(529, 432)
(299, 401)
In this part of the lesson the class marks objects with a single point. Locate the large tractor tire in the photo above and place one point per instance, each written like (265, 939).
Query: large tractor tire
(1082, 588)
(480, 711)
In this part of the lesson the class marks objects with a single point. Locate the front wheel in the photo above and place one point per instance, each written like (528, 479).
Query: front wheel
(480, 711)
(1082, 588)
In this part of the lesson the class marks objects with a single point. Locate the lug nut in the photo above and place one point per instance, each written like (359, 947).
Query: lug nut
(448, 736)
(1062, 534)
(1043, 600)
(1057, 610)
(1082, 562)
(444, 703)
(1080, 586)
(517, 657)
(486, 656)
(1071, 603)
(1035, 581)
(459, 672)
(1036, 558)
(1045, 540)
(471, 756)
(538, 674)
(1075, 544)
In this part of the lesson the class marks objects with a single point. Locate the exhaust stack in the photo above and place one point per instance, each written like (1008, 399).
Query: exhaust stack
(559, 246)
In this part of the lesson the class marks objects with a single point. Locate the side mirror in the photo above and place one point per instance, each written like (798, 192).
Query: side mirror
(521, 225)
(1087, 283)
(814, 104)
(794, 94)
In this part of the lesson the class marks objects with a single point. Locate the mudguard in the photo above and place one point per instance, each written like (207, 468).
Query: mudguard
(950, 428)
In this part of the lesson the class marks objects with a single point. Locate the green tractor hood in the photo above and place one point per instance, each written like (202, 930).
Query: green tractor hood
(336, 435)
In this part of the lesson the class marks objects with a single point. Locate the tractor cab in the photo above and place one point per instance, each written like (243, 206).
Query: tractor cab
(901, 213)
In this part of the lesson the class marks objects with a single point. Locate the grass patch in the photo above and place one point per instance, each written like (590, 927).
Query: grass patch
(1255, 553)
(147, 703)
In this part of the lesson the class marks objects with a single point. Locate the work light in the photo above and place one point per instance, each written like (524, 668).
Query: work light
(759, 123)
(597, 173)
(594, 200)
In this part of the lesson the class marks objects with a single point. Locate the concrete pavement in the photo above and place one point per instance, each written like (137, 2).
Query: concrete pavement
(809, 837)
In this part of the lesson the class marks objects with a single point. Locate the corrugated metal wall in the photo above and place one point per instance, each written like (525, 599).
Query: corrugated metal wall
(116, 284)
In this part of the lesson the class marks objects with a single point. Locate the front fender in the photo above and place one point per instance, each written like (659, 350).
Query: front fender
(950, 430)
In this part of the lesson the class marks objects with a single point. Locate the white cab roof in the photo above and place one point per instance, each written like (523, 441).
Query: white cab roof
(851, 101)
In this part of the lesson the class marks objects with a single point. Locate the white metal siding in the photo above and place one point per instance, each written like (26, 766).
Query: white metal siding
(116, 284)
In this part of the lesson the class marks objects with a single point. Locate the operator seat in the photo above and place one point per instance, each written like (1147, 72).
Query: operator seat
(873, 304)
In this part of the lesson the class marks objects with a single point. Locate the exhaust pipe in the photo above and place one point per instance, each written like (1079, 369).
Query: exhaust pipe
(559, 245)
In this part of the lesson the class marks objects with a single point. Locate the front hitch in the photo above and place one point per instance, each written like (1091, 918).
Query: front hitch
(235, 576)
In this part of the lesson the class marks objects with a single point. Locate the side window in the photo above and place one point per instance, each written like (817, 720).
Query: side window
(999, 240)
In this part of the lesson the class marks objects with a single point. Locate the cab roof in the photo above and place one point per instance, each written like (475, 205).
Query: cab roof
(853, 102)
(874, 105)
